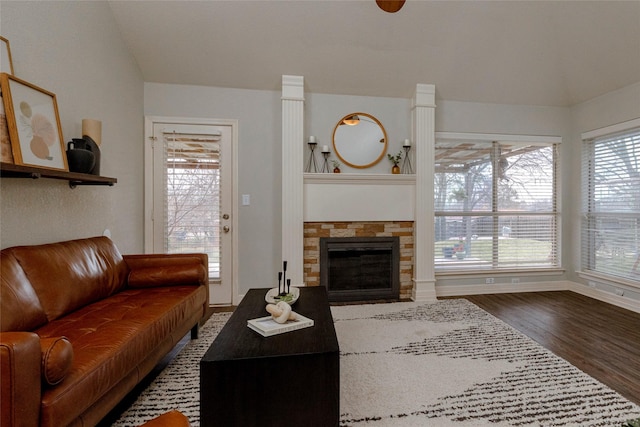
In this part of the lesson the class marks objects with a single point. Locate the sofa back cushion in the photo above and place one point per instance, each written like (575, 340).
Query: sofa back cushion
(20, 308)
(69, 275)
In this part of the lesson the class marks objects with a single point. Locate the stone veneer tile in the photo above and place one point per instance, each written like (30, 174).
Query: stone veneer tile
(403, 229)
(342, 232)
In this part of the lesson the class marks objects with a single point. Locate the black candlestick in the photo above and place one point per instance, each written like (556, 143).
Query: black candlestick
(312, 166)
(284, 267)
(288, 285)
(406, 164)
(279, 279)
(325, 165)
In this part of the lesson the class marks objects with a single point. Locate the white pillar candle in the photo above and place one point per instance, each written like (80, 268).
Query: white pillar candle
(325, 148)
(407, 143)
(312, 139)
(93, 129)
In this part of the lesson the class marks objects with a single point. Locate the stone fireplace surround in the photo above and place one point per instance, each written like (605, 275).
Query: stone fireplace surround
(313, 231)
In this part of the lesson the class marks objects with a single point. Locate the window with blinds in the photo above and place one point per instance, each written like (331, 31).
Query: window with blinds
(611, 205)
(192, 198)
(495, 205)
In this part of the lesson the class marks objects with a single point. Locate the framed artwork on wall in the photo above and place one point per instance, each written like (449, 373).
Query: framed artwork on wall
(34, 124)
(6, 65)
(5, 142)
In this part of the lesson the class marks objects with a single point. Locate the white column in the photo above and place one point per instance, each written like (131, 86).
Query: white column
(423, 117)
(292, 176)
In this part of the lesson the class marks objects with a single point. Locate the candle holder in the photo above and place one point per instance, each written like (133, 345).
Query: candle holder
(406, 163)
(312, 165)
(325, 166)
(284, 276)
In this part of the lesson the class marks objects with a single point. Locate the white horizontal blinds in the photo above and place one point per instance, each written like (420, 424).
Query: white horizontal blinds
(192, 198)
(611, 205)
(527, 205)
(463, 178)
(463, 193)
(495, 204)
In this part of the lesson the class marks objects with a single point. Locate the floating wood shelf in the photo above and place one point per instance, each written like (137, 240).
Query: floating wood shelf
(8, 170)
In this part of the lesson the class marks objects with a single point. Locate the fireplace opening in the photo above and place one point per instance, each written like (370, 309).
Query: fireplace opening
(360, 268)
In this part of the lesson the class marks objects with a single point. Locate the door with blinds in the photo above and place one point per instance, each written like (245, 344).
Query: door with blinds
(191, 197)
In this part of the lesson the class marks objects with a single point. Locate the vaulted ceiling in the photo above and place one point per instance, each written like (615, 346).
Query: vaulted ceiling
(555, 53)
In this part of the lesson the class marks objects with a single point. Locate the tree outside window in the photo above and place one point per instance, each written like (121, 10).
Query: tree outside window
(495, 205)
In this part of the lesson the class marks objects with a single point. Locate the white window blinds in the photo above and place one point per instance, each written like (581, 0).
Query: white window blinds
(192, 198)
(495, 205)
(611, 205)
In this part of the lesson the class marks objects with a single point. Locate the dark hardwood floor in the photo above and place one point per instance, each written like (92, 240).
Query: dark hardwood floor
(598, 338)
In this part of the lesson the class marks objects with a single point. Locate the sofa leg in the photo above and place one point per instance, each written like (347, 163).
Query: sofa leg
(194, 331)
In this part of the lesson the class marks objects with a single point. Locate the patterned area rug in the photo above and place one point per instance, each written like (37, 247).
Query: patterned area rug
(416, 364)
(409, 364)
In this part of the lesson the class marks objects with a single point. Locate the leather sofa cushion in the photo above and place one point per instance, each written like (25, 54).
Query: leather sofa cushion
(57, 359)
(69, 275)
(170, 275)
(20, 308)
(110, 338)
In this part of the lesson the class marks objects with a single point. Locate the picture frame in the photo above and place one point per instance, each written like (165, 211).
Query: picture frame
(6, 64)
(6, 155)
(34, 124)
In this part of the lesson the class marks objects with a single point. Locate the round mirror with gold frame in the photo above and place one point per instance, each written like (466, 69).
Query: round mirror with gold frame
(359, 140)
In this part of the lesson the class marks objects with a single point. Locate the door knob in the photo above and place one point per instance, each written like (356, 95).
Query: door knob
(225, 229)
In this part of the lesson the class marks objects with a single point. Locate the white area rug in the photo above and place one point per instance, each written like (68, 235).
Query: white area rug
(410, 364)
(416, 364)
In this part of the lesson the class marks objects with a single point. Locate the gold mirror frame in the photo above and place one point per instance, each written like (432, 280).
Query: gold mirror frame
(360, 145)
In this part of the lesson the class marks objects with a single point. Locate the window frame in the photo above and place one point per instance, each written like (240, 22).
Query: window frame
(496, 212)
(590, 214)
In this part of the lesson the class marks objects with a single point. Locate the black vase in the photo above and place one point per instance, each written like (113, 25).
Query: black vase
(79, 159)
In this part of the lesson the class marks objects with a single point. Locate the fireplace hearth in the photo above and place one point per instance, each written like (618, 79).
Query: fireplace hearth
(360, 268)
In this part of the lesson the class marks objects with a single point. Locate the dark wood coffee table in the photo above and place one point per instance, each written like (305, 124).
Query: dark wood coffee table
(291, 379)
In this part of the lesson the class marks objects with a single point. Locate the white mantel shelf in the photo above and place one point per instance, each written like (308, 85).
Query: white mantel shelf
(359, 178)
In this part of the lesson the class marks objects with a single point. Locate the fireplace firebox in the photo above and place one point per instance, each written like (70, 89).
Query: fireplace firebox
(360, 268)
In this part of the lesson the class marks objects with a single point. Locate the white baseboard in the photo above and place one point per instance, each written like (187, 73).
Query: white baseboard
(423, 291)
(608, 297)
(508, 288)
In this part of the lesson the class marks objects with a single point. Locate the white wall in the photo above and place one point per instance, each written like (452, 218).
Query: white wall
(259, 161)
(259, 115)
(457, 116)
(259, 118)
(322, 112)
(609, 109)
(74, 50)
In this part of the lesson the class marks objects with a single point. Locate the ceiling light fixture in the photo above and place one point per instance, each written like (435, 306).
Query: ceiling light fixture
(391, 6)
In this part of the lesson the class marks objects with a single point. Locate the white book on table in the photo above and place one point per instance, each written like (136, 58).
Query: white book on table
(267, 327)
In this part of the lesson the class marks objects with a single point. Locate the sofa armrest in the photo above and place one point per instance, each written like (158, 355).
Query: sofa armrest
(20, 388)
(170, 269)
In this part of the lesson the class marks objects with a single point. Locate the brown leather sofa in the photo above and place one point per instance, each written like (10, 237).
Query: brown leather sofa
(81, 325)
